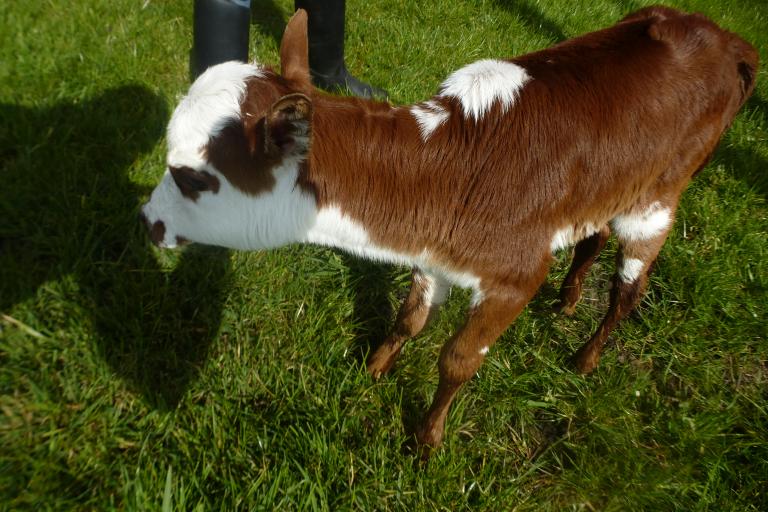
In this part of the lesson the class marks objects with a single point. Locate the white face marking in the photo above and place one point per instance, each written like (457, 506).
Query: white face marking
(231, 218)
(228, 217)
(645, 225)
(479, 84)
(429, 116)
(333, 228)
(211, 102)
(484, 351)
(569, 235)
(630, 269)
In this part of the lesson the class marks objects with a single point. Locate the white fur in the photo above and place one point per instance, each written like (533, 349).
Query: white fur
(435, 288)
(429, 116)
(284, 214)
(562, 239)
(231, 218)
(570, 235)
(630, 269)
(333, 228)
(478, 85)
(648, 224)
(478, 296)
(484, 351)
(211, 102)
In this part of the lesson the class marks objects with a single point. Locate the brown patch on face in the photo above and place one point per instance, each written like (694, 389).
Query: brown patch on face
(238, 152)
(273, 122)
(191, 182)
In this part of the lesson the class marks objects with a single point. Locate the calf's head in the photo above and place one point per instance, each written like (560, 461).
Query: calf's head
(236, 143)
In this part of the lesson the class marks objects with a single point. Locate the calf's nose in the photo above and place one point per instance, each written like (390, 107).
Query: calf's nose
(156, 230)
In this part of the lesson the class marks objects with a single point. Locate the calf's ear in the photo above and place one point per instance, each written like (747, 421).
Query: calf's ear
(288, 126)
(294, 52)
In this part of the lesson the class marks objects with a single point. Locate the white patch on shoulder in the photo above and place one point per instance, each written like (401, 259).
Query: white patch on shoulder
(213, 99)
(630, 269)
(570, 235)
(645, 225)
(429, 116)
(335, 229)
(479, 84)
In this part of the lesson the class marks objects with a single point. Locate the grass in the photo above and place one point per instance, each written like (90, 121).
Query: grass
(134, 379)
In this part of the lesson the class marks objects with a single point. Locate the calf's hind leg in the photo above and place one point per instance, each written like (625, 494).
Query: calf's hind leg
(424, 299)
(641, 235)
(584, 256)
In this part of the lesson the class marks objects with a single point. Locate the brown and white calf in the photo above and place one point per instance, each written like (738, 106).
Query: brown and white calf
(475, 187)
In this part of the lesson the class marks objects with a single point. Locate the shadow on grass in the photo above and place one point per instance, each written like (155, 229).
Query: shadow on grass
(744, 163)
(373, 312)
(69, 214)
(530, 14)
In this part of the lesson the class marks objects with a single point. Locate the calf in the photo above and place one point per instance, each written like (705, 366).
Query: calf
(477, 186)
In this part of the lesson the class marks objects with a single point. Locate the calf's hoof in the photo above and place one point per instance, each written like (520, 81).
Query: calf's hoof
(382, 360)
(587, 358)
(428, 439)
(567, 308)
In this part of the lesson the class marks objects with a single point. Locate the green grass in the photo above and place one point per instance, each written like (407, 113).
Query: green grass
(203, 380)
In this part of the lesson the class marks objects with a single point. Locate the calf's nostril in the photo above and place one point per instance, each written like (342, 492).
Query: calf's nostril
(157, 232)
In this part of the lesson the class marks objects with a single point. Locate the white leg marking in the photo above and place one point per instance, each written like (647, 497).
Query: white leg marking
(479, 84)
(630, 269)
(569, 235)
(477, 297)
(645, 225)
(562, 239)
(429, 116)
(435, 289)
(484, 351)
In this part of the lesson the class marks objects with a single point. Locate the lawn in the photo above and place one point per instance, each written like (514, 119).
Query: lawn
(205, 379)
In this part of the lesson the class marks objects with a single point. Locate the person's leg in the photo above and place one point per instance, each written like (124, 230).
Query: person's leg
(326, 49)
(220, 32)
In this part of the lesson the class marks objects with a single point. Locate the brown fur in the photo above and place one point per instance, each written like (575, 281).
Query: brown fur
(610, 123)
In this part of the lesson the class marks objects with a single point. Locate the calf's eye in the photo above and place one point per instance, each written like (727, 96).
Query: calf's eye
(191, 182)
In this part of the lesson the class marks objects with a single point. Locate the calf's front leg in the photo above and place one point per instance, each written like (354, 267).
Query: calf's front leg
(424, 299)
(463, 354)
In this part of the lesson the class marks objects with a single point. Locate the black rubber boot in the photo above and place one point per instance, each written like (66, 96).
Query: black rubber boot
(326, 49)
(220, 33)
